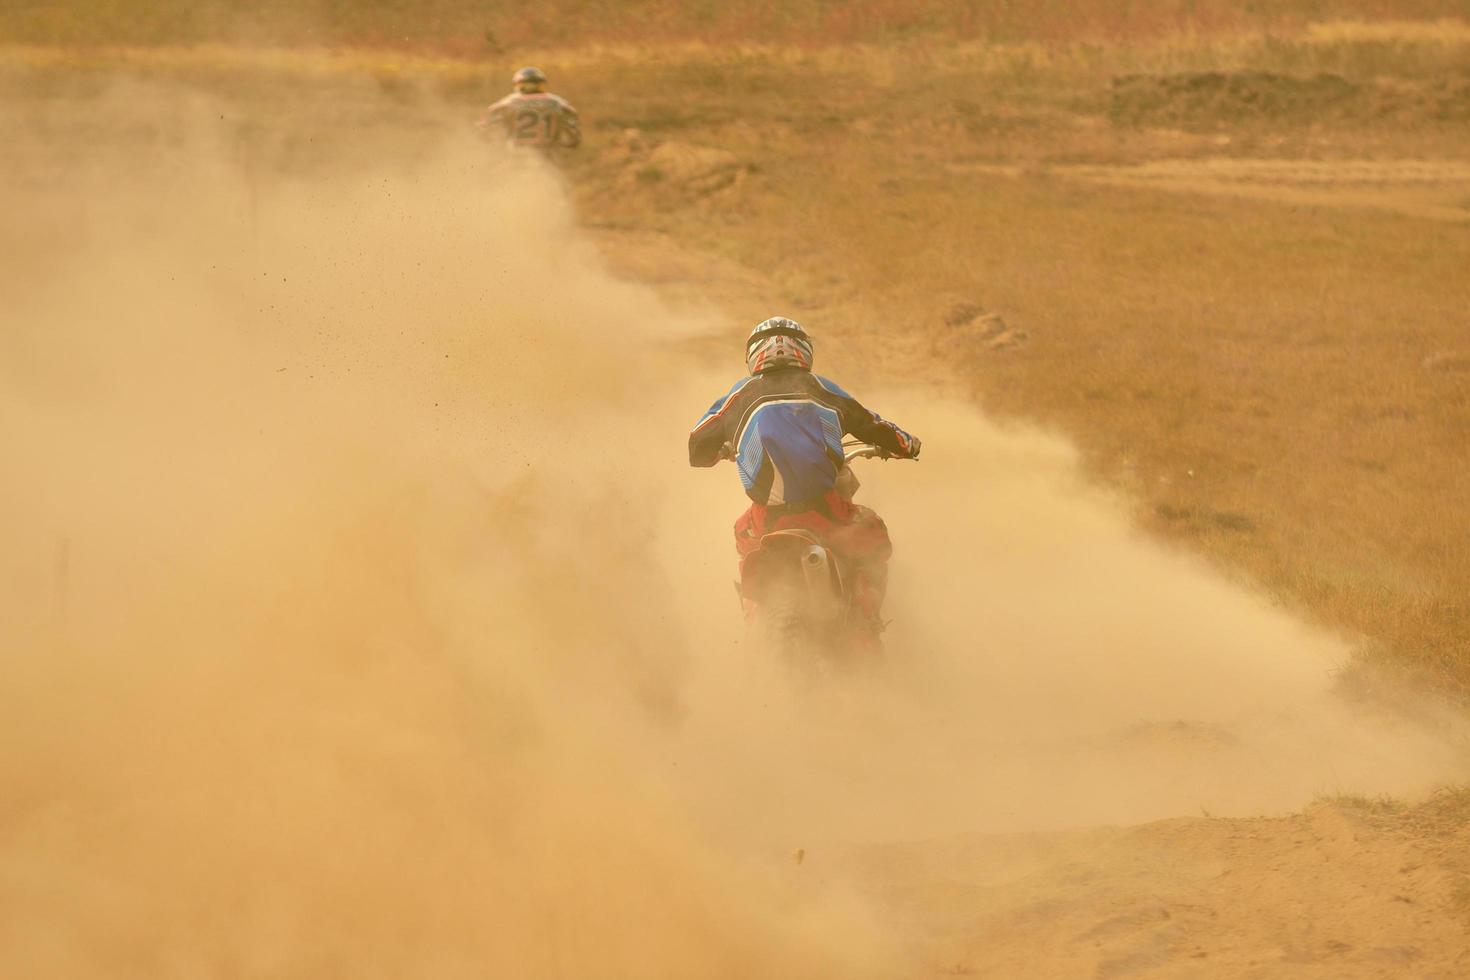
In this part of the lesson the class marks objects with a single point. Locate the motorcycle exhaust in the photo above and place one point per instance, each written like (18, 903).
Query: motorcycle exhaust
(823, 582)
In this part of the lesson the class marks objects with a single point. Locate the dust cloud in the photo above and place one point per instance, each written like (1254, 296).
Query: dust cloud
(360, 615)
(1051, 668)
(333, 636)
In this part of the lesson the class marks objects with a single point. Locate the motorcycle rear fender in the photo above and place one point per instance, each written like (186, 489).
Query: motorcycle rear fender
(789, 537)
(818, 567)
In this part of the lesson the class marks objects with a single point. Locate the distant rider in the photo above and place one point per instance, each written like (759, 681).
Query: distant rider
(785, 425)
(532, 117)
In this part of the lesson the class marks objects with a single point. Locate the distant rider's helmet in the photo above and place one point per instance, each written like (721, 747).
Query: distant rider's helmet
(529, 80)
(777, 343)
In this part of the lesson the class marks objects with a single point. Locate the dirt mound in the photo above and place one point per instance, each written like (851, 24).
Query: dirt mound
(686, 169)
(1208, 99)
(971, 327)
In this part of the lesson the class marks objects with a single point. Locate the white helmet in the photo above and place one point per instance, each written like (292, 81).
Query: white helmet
(776, 343)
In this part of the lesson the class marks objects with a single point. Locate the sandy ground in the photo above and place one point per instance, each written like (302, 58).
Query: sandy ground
(368, 622)
(1320, 894)
(1418, 188)
(1435, 189)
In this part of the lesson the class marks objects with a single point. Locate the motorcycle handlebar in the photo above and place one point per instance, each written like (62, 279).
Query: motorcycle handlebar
(851, 450)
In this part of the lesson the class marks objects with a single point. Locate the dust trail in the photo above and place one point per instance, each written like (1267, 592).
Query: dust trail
(364, 642)
(399, 638)
(1050, 667)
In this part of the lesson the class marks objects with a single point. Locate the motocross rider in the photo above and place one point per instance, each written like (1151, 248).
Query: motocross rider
(783, 426)
(532, 117)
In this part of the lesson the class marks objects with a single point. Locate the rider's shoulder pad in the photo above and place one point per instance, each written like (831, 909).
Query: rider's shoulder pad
(831, 386)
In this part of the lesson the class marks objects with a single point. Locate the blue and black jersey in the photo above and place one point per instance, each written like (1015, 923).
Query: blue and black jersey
(787, 427)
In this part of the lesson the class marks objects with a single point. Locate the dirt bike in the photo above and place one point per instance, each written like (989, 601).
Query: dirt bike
(797, 595)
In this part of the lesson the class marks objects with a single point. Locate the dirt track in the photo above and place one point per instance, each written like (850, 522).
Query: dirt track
(424, 693)
(1420, 188)
(1324, 894)
(1435, 189)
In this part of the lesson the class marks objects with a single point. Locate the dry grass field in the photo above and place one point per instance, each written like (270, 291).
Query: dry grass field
(1222, 254)
(480, 29)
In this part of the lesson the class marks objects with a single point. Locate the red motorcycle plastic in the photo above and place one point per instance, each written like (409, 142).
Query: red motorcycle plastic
(797, 592)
